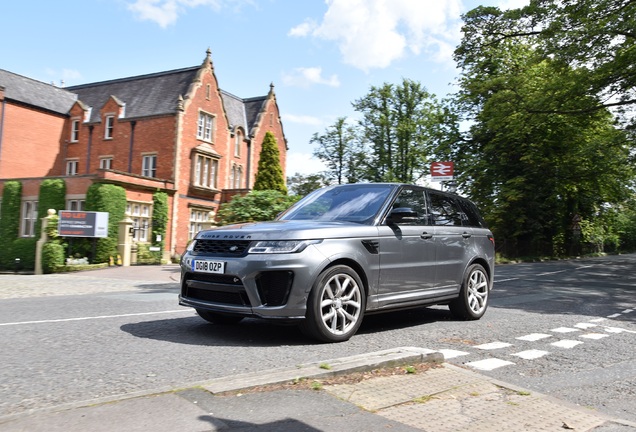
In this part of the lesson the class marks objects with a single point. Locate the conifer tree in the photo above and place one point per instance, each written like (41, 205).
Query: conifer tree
(270, 173)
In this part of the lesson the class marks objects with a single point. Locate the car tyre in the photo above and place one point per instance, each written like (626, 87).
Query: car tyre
(217, 318)
(473, 295)
(335, 306)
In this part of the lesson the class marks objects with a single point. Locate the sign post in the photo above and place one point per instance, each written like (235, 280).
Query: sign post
(82, 224)
(442, 171)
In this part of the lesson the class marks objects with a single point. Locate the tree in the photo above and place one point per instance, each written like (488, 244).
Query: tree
(340, 149)
(397, 127)
(270, 174)
(535, 155)
(262, 205)
(302, 185)
(595, 37)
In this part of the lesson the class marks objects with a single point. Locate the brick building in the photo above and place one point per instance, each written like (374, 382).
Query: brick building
(172, 131)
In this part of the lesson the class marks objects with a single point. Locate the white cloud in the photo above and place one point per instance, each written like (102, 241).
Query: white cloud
(513, 4)
(303, 163)
(166, 12)
(305, 77)
(302, 119)
(375, 33)
(303, 29)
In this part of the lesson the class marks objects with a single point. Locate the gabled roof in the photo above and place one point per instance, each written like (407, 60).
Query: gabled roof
(242, 112)
(36, 93)
(144, 95)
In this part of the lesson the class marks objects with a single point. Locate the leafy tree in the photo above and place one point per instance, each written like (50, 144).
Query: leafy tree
(270, 173)
(398, 127)
(340, 149)
(302, 185)
(595, 37)
(262, 205)
(528, 160)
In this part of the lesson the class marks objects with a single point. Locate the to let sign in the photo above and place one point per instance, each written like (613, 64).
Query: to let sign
(442, 171)
(83, 224)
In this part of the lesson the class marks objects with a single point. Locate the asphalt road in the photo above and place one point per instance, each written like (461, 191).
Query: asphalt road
(564, 328)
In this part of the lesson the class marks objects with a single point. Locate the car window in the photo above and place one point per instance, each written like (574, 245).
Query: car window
(473, 218)
(414, 200)
(445, 210)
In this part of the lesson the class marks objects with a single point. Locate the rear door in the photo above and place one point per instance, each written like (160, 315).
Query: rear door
(453, 239)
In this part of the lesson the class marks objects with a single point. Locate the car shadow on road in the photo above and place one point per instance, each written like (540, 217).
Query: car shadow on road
(193, 330)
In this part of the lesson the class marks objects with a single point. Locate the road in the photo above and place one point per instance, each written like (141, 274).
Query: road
(565, 328)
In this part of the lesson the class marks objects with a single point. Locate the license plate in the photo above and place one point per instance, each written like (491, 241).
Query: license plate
(205, 266)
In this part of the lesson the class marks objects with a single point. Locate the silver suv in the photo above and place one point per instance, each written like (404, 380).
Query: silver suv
(340, 253)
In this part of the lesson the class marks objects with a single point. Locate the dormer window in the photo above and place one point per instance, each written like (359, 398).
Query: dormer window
(75, 130)
(238, 138)
(108, 127)
(205, 128)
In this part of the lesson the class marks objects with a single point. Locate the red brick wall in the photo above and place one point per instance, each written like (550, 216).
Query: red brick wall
(269, 122)
(30, 142)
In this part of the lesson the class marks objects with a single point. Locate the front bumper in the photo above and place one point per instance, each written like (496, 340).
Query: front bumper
(270, 286)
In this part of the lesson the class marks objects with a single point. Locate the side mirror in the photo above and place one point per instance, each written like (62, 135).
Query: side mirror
(402, 214)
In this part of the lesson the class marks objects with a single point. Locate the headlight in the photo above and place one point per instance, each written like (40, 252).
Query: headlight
(281, 246)
(191, 246)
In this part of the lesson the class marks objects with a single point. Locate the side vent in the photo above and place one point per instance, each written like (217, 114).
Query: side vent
(371, 245)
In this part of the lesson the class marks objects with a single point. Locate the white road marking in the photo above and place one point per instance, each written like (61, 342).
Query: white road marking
(534, 337)
(531, 354)
(93, 317)
(489, 364)
(594, 336)
(567, 344)
(584, 325)
(616, 315)
(595, 320)
(564, 330)
(449, 353)
(493, 345)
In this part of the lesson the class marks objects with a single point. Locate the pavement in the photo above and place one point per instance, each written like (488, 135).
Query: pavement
(321, 396)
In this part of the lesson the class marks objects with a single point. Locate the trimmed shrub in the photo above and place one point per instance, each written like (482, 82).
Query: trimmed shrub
(9, 221)
(24, 249)
(52, 257)
(159, 219)
(103, 197)
(52, 196)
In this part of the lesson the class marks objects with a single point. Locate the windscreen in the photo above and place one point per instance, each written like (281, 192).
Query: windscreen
(346, 203)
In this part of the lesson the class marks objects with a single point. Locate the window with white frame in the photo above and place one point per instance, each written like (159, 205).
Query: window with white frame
(29, 217)
(72, 167)
(236, 177)
(75, 204)
(149, 166)
(108, 127)
(238, 139)
(205, 171)
(205, 127)
(106, 162)
(75, 124)
(140, 213)
(199, 219)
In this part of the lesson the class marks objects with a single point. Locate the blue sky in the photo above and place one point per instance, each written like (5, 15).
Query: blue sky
(321, 55)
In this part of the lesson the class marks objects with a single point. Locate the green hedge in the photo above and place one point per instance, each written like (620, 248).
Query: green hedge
(52, 196)
(9, 222)
(52, 257)
(108, 198)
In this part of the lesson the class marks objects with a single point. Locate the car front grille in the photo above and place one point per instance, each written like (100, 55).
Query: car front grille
(221, 247)
(213, 288)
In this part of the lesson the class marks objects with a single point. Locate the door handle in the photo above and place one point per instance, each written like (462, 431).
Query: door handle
(467, 235)
(426, 235)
